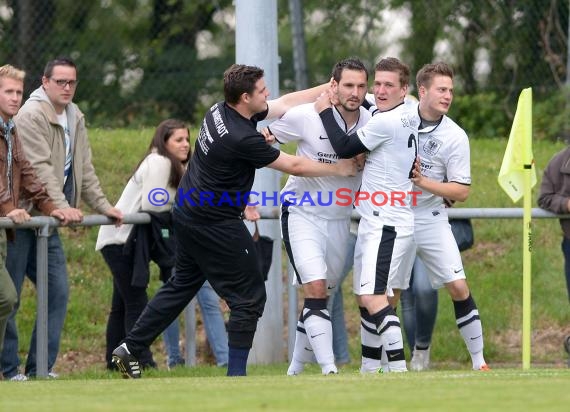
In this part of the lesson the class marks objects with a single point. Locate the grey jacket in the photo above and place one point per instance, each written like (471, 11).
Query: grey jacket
(43, 141)
(555, 188)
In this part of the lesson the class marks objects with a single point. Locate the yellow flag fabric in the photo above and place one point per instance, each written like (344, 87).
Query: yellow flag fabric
(518, 155)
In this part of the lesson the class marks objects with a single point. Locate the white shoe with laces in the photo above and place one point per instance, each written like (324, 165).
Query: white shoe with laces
(19, 378)
(420, 360)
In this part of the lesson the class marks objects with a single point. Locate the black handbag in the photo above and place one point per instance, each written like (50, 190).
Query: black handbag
(463, 233)
(264, 248)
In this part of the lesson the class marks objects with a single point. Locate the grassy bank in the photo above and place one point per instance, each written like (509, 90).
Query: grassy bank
(493, 266)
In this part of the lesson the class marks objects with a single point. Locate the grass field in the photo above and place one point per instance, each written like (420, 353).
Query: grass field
(493, 266)
(266, 389)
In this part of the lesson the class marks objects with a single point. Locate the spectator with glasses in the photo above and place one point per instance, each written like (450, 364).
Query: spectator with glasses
(54, 138)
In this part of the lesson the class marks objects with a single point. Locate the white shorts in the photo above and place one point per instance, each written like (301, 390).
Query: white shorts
(317, 248)
(438, 250)
(383, 257)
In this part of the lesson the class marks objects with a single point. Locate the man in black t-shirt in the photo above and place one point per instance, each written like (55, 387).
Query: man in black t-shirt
(212, 241)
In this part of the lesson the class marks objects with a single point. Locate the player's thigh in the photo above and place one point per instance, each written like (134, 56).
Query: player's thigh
(337, 250)
(384, 256)
(402, 258)
(305, 242)
(438, 250)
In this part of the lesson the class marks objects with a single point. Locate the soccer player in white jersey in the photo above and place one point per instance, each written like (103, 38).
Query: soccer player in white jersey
(316, 228)
(385, 248)
(443, 172)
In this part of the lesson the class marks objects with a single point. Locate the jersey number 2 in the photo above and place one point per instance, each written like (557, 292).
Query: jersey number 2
(412, 142)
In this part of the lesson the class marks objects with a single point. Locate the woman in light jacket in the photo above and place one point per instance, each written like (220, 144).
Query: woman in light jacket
(152, 188)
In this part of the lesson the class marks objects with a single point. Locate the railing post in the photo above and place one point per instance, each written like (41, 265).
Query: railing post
(291, 311)
(190, 328)
(42, 234)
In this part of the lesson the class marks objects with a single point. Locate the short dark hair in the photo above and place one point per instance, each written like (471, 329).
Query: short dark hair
(352, 63)
(240, 79)
(392, 64)
(429, 71)
(58, 61)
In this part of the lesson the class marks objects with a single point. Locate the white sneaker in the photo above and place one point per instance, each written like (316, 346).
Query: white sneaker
(329, 370)
(420, 360)
(295, 368)
(52, 375)
(19, 378)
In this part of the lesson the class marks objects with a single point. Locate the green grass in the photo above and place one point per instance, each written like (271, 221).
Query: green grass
(493, 266)
(504, 390)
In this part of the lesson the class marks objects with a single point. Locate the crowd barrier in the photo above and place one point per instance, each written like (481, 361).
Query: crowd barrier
(43, 224)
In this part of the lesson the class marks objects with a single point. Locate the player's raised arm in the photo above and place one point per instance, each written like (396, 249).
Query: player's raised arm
(279, 106)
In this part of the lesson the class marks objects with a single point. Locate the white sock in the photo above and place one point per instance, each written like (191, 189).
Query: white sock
(319, 333)
(470, 328)
(393, 342)
(370, 342)
(302, 351)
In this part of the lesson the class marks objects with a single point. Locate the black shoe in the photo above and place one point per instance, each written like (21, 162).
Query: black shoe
(567, 344)
(127, 363)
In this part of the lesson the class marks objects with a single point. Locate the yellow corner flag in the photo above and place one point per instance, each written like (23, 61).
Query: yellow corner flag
(518, 155)
(517, 177)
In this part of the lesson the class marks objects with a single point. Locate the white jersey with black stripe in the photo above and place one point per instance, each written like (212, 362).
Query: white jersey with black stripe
(391, 138)
(317, 195)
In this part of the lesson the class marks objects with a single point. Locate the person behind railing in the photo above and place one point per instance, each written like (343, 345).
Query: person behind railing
(17, 177)
(54, 139)
(555, 197)
(152, 188)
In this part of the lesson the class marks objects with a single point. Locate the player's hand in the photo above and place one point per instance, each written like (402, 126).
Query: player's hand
(417, 172)
(269, 138)
(323, 101)
(360, 161)
(347, 167)
(251, 213)
(19, 216)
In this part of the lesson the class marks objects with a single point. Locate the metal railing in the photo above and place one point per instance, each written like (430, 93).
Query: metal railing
(42, 224)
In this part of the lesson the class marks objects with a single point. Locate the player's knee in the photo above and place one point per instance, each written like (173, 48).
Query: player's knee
(316, 289)
(373, 303)
(458, 289)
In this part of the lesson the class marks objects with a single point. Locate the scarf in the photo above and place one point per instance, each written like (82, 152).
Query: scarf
(7, 128)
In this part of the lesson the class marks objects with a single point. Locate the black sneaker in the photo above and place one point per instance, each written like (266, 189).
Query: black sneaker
(127, 363)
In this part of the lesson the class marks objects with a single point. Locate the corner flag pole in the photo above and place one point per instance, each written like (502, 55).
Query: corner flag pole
(516, 178)
(527, 267)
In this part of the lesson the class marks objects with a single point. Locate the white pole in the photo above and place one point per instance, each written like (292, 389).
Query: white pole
(256, 45)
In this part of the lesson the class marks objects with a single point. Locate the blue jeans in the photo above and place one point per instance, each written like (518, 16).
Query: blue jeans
(419, 307)
(336, 310)
(21, 262)
(566, 252)
(213, 324)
